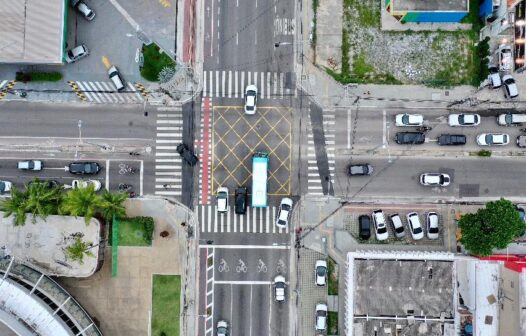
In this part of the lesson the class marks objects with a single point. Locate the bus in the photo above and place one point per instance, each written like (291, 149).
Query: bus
(259, 179)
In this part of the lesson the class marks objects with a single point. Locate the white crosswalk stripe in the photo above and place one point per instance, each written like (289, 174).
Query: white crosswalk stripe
(231, 84)
(255, 220)
(3, 83)
(314, 180)
(105, 92)
(168, 163)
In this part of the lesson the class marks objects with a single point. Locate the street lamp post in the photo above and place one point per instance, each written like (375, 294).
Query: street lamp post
(80, 131)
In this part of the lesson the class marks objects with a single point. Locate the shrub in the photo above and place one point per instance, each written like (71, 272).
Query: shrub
(38, 76)
(484, 152)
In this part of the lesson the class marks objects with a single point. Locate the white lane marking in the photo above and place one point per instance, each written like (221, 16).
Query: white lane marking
(251, 247)
(229, 84)
(142, 178)
(100, 88)
(349, 122)
(201, 211)
(268, 84)
(242, 282)
(250, 313)
(107, 174)
(236, 86)
(215, 219)
(223, 83)
(204, 82)
(281, 83)
(248, 220)
(263, 85)
(137, 94)
(88, 95)
(217, 83)
(209, 221)
(384, 129)
(275, 84)
(255, 36)
(211, 84)
(242, 87)
(267, 222)
(228, 220)
(249, 77)
(237, 38)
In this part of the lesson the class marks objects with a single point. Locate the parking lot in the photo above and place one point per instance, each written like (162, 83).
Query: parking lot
(236, 137)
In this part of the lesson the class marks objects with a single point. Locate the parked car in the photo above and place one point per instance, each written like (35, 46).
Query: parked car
(364, 225)
(84, 168)
(511, 119)
(285, 208)
(414, 226)
(451, 139)
(435, 179)
(279, 288)
(76, 53)
(521, 141)
(187, 154)
(398, 226)
(251, 99)
(360, 169)
(222, 199)
(505, 56)
(76, 184)
(5, 186)
(320, 273)
(222, 328)
(432, 225)
(321, 317)
(493, 139)
(83, 9)
(116, 78)
(241, 200)
(406, 119)
(494, 77)
(510, 87)
(410, 138)
(380, 225)
(30, 165)
(464, 119)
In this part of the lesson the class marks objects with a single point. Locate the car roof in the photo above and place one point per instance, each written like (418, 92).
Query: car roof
(498, 138)
(279, 278)
(432, 178)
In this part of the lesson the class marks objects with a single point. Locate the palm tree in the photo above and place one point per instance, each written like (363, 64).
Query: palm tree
(16, 206)
(112, 204)
(42, 200)
(78, 249)
(81, 202)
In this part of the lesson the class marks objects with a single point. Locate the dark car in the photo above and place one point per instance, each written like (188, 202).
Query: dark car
(451, 139)
(410, 138)
(364, 222)
(360, 169)
(84, 168)
(241, 200)
(187, 154)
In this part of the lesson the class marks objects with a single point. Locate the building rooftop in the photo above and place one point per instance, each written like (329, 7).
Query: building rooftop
(32, 31)
(430, 5)
(43, 244)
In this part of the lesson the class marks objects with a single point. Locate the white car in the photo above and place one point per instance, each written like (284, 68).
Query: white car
(76, 184)
(116, 78)
(30, 165)
(320, 272)
(285, 208)
(414, 226)
(510, 87)
(493, 139)
(222, 199)
(409, 119)
(505, 57)
(87, 12)
(494, 77)
(5, 186)
(321, 317)
(380, 225)
(251, 99)
(432, 225)
(435, 179)
(279, 288)
(222, 328)
(77, 53)
(464, 119)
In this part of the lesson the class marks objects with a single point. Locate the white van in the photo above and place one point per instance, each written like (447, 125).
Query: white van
(116, 78)
(511, 119)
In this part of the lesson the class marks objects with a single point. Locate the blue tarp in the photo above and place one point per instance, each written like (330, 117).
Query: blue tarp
(486, 8)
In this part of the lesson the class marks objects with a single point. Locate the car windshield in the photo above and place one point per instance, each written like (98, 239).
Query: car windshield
(320, 271)
(441, 179)
(399, 229)
(509, 81)
(70, 54)
(2, 186)
(417, 230)
(405, 119)
(489, 139)
(221, 330)
(382, 229)
(433, 230)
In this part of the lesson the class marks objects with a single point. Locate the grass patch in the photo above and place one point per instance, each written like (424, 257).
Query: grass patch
(333, 277)
(136, 231)
(315, 4)
(154, 61)
(332, 323)
(38, 76)
(166, 297)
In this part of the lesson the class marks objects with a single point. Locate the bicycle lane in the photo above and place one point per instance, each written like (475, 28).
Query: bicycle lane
(206, 291)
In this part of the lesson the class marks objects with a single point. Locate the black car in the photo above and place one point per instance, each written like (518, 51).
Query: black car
(84, 168)
(241, 200)
(451, 139)
(360, 169)
(364, 226)
(187, 154)
(410, 138)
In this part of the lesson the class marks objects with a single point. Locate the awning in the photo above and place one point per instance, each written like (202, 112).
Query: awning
(486, 8)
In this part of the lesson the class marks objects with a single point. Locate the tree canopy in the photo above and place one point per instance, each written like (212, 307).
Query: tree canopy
(492, 227)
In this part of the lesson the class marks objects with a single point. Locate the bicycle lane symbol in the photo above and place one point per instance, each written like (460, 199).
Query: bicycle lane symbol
(261, 267)
(223, 266)
(242, 267)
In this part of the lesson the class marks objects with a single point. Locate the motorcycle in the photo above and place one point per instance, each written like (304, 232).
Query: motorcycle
(424, 128)
(125, 187)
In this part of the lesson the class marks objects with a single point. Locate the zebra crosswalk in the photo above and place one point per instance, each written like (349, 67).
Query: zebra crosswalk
(168, 163)
(255, 220)
(231, 84)
(314, 180)
(104, 92)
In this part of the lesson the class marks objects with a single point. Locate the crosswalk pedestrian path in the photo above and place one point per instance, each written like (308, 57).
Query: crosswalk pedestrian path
(105, 92)
(231, 84)
(314, 180)
(168, 163)
(255, 220)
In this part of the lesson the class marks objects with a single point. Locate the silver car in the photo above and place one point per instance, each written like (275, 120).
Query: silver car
(77, 53)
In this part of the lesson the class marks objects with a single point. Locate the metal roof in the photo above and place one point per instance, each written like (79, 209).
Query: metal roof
(32, 31)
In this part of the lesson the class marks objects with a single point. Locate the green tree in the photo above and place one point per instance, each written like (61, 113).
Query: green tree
(16, 206)
(492, 227)
(78, 250)
(42, 200)
(81, 202)
(112, 204)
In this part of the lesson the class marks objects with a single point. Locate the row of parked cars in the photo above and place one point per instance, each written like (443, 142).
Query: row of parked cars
(459, 120)
(379, 224)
